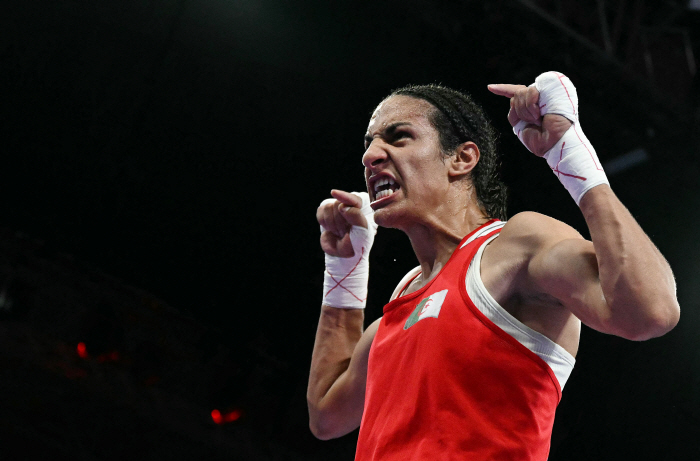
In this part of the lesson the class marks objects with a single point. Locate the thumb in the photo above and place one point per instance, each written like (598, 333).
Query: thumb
(350, 207)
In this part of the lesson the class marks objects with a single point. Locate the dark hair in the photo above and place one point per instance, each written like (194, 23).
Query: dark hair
(458, 119)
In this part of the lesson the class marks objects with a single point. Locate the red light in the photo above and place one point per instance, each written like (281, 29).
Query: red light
(232, 416)
(112, 356)
(82, 350)
(227, 417)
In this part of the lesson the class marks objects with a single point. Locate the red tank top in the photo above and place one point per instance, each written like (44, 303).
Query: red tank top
(444, 382)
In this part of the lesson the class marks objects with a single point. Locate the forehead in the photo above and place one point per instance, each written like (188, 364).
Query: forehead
(401, 108)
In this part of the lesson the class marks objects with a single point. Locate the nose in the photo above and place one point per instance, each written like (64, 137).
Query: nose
(374, 155)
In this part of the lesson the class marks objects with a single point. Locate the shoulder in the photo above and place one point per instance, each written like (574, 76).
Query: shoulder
(507, 261)
(531, 230)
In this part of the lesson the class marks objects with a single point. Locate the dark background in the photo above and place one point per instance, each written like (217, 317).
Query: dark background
(162, 162)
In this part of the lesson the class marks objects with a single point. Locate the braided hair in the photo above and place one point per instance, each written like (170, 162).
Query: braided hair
(458, 119)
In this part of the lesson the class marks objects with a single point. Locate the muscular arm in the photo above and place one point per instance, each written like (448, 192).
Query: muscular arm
(619, 283)
(336, 390)
(338, 376)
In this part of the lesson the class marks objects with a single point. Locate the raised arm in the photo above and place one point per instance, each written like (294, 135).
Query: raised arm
(337, 380)
(619, 283)
(635, 278)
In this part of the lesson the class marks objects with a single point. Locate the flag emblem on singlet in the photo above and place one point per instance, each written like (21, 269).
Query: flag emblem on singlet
(428, 307)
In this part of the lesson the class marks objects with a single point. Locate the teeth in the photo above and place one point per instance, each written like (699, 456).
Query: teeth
(381, 182)
(384, 193)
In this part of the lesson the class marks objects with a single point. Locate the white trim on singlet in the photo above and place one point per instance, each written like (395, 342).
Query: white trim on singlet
(558, 359)
(491, 227)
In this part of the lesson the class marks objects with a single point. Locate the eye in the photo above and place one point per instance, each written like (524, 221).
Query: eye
(401, 135)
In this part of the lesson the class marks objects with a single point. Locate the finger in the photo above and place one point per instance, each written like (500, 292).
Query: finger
(347, 198)
(351, 207)
(322, 216)
(327, 218)
(329, 243)
(330, 225)
(532, 97)
(353, 215)
(324, 211)
(534, 139)
(340, 224)
(527, 109)
(333, 246)
(513, 118)
(522, 112)
(504, 89)
(533, 112)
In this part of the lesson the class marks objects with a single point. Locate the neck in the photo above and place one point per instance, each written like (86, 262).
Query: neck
(436, 238)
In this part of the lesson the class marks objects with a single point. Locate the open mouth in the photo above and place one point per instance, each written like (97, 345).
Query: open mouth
(384, 187)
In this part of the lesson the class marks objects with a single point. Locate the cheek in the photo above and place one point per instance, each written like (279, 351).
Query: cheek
(429, 179)
(428, 168)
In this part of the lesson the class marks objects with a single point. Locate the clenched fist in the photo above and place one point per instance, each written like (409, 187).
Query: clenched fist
(539, 133)
(337, 217)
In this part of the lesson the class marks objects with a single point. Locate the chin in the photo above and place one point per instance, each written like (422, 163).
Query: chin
(387, 218)
(382, 218)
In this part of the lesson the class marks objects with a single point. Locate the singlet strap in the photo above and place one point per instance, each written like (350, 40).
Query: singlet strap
(486, 229)
(405, 287)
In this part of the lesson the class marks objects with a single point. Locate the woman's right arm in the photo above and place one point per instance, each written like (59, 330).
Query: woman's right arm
(336, 391)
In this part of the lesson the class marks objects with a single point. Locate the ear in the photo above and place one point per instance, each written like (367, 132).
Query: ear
(465, 159)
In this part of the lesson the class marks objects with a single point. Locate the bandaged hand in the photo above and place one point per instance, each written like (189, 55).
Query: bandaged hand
(347, 234)
(545, 118)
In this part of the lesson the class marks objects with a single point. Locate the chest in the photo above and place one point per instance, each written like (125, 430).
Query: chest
(436, 329)
(437, 335)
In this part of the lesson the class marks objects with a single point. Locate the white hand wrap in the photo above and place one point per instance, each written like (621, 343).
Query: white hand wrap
(572, 158)
(345, 279)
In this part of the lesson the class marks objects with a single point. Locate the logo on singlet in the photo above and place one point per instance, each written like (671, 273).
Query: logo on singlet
(428, 307)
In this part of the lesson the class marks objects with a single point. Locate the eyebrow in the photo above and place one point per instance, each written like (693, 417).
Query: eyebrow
(388, 131)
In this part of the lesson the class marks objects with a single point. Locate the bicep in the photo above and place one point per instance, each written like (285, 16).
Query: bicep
(567, 270)
(343, 405)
